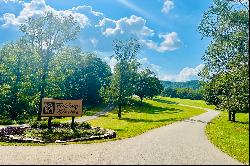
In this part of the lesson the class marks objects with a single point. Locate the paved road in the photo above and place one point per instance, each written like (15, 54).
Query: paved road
(179, 143)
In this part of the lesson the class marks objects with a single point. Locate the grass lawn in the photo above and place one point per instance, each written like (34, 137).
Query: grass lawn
(231, 138)
(197, 103)
(139, 119)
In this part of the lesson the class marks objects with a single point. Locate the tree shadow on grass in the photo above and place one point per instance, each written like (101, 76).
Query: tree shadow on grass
(148, 120)
(164, 101)
(148, 109)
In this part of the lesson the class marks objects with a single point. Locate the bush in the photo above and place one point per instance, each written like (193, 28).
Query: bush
(4, 121)
(57, 124)
(60, 134)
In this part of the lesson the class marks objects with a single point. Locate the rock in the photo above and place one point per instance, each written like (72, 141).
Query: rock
(59, 141)
(27, 140)
(36, 141)
(11, 136)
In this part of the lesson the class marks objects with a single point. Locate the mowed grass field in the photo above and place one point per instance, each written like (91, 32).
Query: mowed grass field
(231, 137)
(137, 119)
(197, 103)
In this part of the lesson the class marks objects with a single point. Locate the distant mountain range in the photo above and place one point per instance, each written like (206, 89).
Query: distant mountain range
(193, 84)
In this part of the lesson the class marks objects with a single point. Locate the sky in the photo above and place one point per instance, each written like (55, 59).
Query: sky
(167, 30)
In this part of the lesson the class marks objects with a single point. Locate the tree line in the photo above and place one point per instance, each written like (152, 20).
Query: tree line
(193, 84)
(183, 93)
(42, 64)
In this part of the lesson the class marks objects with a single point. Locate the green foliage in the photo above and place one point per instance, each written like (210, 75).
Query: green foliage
(147, 85)
(121, 87)
(47, 35)
(59, 134)
(78, 75)
(17, 86)
(40, 65)
(57, 123)
(193, 84)
(226, 58)
(183, 93)
(231, 138)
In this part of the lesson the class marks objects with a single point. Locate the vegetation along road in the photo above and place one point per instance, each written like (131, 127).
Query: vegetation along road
(182, 142)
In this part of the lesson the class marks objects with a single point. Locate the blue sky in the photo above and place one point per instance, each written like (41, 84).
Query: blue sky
(167, 29)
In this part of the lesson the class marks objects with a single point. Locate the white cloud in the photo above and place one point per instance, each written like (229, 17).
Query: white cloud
(129, 26)
(170, 42)
(37, 8)
(185, 74)
(111, 62)
(167, 6)
(96, 28)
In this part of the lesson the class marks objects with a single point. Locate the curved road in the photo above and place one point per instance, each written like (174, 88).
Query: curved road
(182, 142)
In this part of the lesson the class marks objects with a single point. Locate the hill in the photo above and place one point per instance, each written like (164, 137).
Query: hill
(193, 84)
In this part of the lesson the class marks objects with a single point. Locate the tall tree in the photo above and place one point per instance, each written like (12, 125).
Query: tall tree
(47, 34)
(17, 88)
(227, 58)
(121, 87)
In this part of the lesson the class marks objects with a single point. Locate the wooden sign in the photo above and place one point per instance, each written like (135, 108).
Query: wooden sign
(53, 107)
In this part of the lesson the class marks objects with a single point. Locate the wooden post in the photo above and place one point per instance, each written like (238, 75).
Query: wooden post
(72, 123)
(49, 123)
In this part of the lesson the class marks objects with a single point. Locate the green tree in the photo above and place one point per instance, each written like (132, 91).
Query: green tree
(122, 87)
(18, 75)
(226, 58)
(147, 85)
(47, 34)
(77, 75)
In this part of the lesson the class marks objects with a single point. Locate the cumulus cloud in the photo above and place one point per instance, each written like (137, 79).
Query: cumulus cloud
(167, 6)
(129, 26)
(170, 42)
(37, 8)
(98, 31)
(185, 74)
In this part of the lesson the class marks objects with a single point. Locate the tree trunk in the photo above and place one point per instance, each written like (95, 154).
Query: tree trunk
(229, 115)
(233, 114)
(49, 123)
(42, 90)
(141, 100)
(40, 103)
(120, 111)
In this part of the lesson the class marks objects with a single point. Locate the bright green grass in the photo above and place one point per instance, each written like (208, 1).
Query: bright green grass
(231, 137)
(197, 103)
(139, 119)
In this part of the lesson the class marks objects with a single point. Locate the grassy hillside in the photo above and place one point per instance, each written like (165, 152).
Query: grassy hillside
(193, 84)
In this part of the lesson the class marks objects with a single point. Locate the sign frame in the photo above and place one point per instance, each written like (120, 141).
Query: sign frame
(61, 108)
